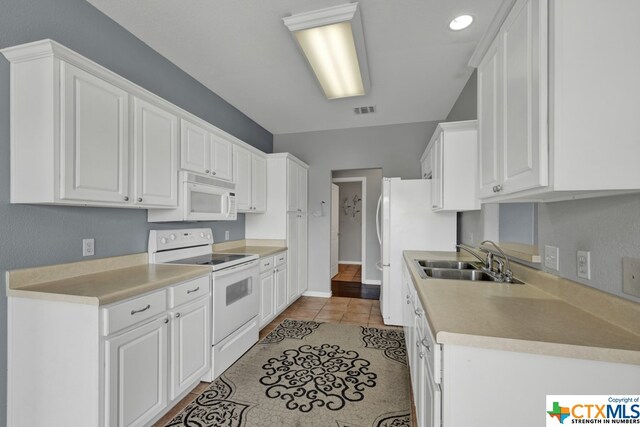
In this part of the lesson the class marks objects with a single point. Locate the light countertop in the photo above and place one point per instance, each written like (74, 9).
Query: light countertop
(89, 285)
(518, 317)
(261, 251)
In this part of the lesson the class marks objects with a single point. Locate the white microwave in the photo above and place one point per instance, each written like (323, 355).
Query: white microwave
(202, 199)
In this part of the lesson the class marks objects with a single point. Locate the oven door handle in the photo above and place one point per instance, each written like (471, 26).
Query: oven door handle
(235, 268)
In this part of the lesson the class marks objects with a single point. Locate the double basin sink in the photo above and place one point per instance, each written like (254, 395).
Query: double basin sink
(456, 270)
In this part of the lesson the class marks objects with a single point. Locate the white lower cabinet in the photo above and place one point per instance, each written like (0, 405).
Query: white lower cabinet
(190, 345)
(273, 287)
(458, 386)
(136, 380)
(116, 365)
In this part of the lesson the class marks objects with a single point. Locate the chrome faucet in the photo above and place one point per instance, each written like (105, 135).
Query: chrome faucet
(504, 270)
(504, 273)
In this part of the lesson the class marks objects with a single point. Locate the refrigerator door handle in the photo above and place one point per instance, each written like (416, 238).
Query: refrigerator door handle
(378, 219)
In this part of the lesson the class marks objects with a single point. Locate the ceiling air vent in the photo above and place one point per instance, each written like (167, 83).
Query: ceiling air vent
(365, 110)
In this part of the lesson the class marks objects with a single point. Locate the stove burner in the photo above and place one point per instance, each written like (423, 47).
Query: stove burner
(212, 259)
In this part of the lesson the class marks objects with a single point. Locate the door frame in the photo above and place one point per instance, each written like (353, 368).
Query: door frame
(363, 252)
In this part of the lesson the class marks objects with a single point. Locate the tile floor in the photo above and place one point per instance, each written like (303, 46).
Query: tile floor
(354, 311)
(348, 273)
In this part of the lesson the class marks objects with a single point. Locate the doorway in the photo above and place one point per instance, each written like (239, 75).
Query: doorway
(349, 237)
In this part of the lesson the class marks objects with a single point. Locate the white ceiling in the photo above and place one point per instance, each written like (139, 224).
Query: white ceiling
(241, 50)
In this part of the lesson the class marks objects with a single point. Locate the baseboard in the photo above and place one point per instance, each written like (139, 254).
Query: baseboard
(372, 282)
(350, 262)
(317, 294)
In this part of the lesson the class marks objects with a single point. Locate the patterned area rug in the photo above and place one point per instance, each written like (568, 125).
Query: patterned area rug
(307, 373)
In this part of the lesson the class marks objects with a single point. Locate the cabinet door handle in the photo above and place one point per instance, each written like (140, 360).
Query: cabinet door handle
(190, 291)
(213, 172)
(425, 344)
(178, 315)
(418, 344)
(126, 198)
(421, 355)
(267, 264)
(207, 171)
(275, 271)
(141, 310)
(498, 188)
(418, 312)
(139, 199)
(166, 320)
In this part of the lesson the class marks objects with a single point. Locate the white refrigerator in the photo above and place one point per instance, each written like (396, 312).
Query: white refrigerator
(406, 221)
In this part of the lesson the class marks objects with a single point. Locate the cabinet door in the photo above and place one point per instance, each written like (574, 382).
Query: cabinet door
(524, 147)
(489, 143)
(136, 375)
(190, 345)
(258, 183)
(155, 141)
(281, 288)
(302, 188)
(95, 138)
(194, 148)
(242, 177)
(303, 284)
(267, 295)
(221, 158)
(437, 177)
(292, 186)
(292, 256)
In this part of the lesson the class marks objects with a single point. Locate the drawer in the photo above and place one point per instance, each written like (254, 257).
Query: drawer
(281, 258)
(188, 291)
(125, 314)
(266, 264)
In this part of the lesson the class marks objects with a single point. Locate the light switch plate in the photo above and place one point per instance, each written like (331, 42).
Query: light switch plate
(631, 276)
(584, 264)
(551, 257)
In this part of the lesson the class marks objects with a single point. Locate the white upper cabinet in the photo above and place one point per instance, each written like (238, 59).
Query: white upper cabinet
(205, 152)
(297, 180)
(450, 161)
(194, 148)
(155, 142)
(95, 139)
(82, 135)
(542, 135)
(250, 176)
(221, 158)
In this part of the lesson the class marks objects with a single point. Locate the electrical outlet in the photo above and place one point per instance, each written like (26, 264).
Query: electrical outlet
(551, 257)
(88, 247)
(226, 235)
(631, 276)
(584, 264)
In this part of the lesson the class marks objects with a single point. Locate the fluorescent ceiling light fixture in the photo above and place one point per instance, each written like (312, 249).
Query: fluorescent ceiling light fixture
(332, 41)
(461, 22)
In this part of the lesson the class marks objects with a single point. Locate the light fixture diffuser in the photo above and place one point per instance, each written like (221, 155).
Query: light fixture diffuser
(461, 22)
(332, 41)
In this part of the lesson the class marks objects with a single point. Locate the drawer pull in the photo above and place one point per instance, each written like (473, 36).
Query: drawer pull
(193, 290)
(166, 320)
(178, 315)
(141, 310)
(421, 355)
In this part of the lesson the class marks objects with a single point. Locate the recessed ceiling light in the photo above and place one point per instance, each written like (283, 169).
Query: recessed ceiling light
(461, 22)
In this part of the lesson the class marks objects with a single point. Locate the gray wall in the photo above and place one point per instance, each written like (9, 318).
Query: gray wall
(608, 227)
(395, 148)
(41, 235)
(350, 225)
(374, 188)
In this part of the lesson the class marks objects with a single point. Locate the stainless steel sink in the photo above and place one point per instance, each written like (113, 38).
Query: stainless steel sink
(457, 270)
(454, 274)
(459, 265)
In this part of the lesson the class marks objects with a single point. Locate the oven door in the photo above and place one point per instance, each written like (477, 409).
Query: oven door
(235, 298)
(207, 203)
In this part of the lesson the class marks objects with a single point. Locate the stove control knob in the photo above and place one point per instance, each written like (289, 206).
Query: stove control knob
(209, 236)
(172, 237)
(201, 234)
(163, 240)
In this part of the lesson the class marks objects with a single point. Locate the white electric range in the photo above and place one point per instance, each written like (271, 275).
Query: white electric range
(235, 298)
